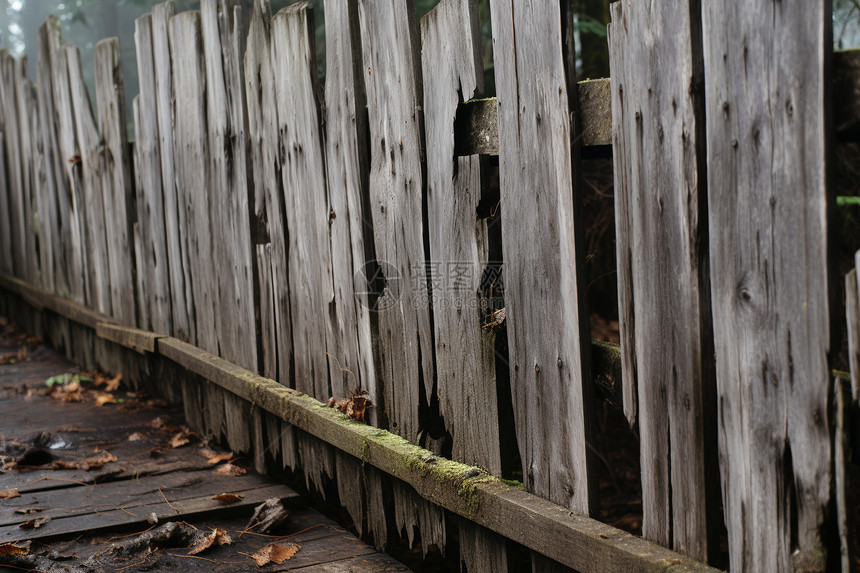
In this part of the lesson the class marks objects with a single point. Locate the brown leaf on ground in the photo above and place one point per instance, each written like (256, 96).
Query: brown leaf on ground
(180, 439)
(14, 357)
(30, 510)
(34, 340)
(105, 398)
(230, 470)
(275, 553)
(101, 458)
(226, 498)
(71, 392)
(112, 385)
(137, 436)
(64, 465)
(207, 540)
(15, 548)
(34, 523)
(159, 422)
(218, 458)
(9, 493)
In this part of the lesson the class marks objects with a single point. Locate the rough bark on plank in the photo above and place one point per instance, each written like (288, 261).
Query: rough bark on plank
(182, 307)
(459, 253)
(392, 75)
(119, 214)
(44, 186)
(852, 306)
(154, 302)
(347, 173)
(5, 213)
(302, 167)
(16, 175)
(270, 234)
(545, 314)
(27, 137)
(228, 183)
(191, 159)
(89, 156)
(767, 194)
(660, 192)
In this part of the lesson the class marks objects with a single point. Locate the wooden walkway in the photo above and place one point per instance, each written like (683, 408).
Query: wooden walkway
(78, 478)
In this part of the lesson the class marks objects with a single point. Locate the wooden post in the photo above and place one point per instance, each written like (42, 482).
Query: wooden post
(767, 88)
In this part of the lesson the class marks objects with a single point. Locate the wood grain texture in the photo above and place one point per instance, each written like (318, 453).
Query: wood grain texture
(182, 309)
(191, 158)
(302, 168)
(27, 137)
(852, 312)
(660, 195)
(270, 233)
(228, 180)
(12, 132)
(392, 75)
(545, 317)
(120, 213)
(767, 154)
(347, 176)
(152, 264)
(5, 213)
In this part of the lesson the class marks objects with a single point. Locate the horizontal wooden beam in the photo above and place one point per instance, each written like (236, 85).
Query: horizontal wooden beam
(477, 124)
(577, 541)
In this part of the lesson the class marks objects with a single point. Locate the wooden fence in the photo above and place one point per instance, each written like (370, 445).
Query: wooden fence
(263, 227)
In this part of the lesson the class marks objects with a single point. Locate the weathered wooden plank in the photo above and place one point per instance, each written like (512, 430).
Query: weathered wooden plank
(545, 315)
(302, 167)
(270, 232)
(120, 213)
(154, 302)
(852, 306)
(767, 157)
(842, 471)
(44, 185)
(6, 261)
(16, 173)
(27, 137)
(138, 340)
(347, 164)
(190, 146)
(465, 490)
(660, 192)
(392, 65)
(228, 183)
(459, 252)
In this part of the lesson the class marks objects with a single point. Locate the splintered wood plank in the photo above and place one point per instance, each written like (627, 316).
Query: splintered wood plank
(392, 74)
(547, 340)
(152, 266)
(302, 167)
(90, 159)
(190, 146)
(659, 159)
(459, 251)
(11, 127)
(51, 263)
(116, 179)
(768, 88)
(269, 227)
(5, 213)
(852, 306)
(27, 137)
(227, 182)
(182, 307)
(346, 171)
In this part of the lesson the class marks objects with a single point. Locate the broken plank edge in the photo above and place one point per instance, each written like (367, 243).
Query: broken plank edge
(138, 340)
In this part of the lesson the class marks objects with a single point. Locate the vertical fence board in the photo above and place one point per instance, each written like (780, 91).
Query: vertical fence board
(303, 173)
(89, 160)
(270, 234)
(69, 186)
(12, 130)
(27, 136)
(119, 215)
(544, 310)
(191, 160)
(852, 303)
(347, 172)
(5, 214)
(459, 251)
(152, 265)
(392, 74)
(228, 188)
(660, 191)
(767, 87)
(51, 260)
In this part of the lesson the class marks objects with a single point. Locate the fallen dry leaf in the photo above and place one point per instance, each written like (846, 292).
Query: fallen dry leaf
(15, 548)
(101, 458)
(34, 340)
(179, 440)
(34, 523)
(159, 422)
(136, 437)
(226, 498)
(354, 406)
(112, 385)
(275, 553)
(105, 398)
(9, 493)
(14, 357)
(218, 458)
(29, 510)
(214, 537)
(230, 470)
